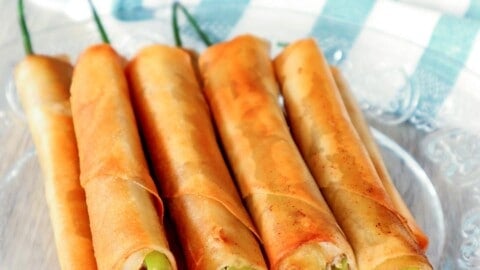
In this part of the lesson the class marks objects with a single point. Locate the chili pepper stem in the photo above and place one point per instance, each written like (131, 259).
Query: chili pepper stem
(176, 30)
(99, 24)
(27, 44)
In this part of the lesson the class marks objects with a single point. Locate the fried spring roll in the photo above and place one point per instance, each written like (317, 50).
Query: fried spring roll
(361, 126)
(215, 230)
(297, 228)
(43, 85)
(121, 197)
(340, 163)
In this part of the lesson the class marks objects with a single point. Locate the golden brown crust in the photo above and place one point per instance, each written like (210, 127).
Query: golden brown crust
(212, 237)
(339, 161)
(121, 195)
(361, 126)
(106, 107)
(193, 176)
(43, 84)
(279, 191)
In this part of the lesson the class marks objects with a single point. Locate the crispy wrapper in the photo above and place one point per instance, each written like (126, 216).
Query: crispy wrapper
(121, 197)
(294, 222)
(215, 230)
(43, 84)
(360, 124)
(341, 164)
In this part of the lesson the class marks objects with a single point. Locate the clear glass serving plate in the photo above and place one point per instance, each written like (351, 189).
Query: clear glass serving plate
(433, 154)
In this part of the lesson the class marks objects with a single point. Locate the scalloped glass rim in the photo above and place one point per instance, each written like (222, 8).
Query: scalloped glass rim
(129, 36)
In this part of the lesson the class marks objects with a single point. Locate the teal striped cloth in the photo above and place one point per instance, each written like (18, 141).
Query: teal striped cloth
(415, 60)
(438, 51)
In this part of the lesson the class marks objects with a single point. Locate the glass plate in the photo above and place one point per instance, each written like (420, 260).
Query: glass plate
(433, 154)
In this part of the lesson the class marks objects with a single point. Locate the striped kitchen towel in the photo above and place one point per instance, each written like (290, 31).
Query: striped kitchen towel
(461, 8)
(408, 60)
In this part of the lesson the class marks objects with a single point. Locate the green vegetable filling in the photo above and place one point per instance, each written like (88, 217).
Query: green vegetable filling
(343, 265)
(156, 261)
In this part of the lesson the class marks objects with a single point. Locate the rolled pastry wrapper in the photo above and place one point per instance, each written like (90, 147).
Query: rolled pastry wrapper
(296, 226)
(215, 229)
(340, 163)
(43, 85)
(361, 126)
(121, 197)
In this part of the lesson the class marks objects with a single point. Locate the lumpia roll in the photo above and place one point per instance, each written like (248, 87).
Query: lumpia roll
(121, 197)
(361, 126)
(340, 163)
(215, 229)
(297, 228)
(43, 84)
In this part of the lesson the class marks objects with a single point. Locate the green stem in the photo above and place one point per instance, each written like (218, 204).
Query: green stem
(157, 261)
(282, 44)
(191, 20)
(99, 24)
(27, 44)
(176, 30)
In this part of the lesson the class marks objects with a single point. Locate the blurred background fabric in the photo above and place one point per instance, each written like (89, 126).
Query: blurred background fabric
(439, 27)
(449, 27)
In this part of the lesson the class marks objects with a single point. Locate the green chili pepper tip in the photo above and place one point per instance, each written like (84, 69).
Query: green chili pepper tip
(157, 261)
